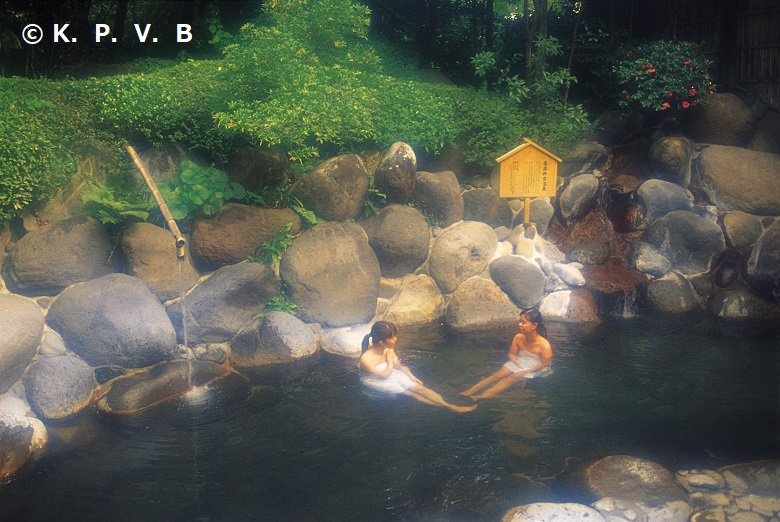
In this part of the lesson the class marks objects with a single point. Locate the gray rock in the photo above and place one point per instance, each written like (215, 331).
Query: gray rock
(437, 194)
(742, 230)
(59, 387)
(763, 267)
(548, 511)
(277, 337)
(671, 294)
(21, 328)
(236, 231)
(461, 251)
(483, 204)
(649, 259)
(690, 242)
(723, 120)
(479, 304)
(590, 251)
(656, 198)
(332, 274)
(225, 303)
(569, 274)
(585, 157)
(741, 305)
(48, 259)
(670, 159)
(766, 136)
(336, 189)
(579, 196)
(396, 175)
(345, 342)
(740, 179)
(570, 306)
(753, 478)
(51, 344)
(114, 319)
(157, 384)
(647, 484)
(418, 301)
(20, 439)
(521, 280)
(400, 238)
(256, 168)
(151, 256)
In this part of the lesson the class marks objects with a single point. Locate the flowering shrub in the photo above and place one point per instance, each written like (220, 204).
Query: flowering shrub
(662, 75)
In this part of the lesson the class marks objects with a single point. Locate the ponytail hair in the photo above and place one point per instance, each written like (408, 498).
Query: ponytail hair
(535, 316)
(380, 331)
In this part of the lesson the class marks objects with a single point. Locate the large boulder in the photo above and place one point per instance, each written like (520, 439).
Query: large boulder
(396, 175)
(570, 306)
(20, 439)
(723, 120)
(276, 337)
(336, 189)
(742, 230)
(763, 267)
(461, 251)
(579, 196)
(760, 478)
(540, 215)
(345, 342)
(740, 179)
(586, 156)
(418, 301)
(548, 511)
(162, 382)
(48, 259)
(670, 159)
(400, 238)
(225, 303)
(59, 387)
(649, 259)
(235, 231)
(437, 194)
(650, 486)
(114, 319)
(672, 294)
(521, 280)
(741, 305)
(690, 242)
(21, 328)
(655, 198)
(151, 256)
(479, 304)
(256, 168)
(332, 275)
(483, 204)
(766, 136)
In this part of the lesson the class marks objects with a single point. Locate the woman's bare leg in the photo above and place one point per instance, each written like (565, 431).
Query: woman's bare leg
(486, 382)
(500, 386)
(428, 396)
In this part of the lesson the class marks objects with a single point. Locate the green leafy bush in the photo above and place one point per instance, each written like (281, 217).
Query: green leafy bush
(111, 206)
(198, 189)
(280, 303)
(662, 75)
(270, 252)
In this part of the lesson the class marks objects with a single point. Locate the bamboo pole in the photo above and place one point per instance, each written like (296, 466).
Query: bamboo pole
(180, 252)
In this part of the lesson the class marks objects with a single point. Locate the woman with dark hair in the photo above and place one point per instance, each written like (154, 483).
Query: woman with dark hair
(529, 356)
(381, 370)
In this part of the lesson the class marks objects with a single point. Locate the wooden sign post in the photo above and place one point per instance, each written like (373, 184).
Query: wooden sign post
(528, 171)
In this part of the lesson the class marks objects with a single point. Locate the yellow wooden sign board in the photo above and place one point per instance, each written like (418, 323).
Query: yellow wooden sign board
(528, 171)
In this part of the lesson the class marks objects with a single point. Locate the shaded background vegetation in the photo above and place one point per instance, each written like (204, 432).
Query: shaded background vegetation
(315, 78)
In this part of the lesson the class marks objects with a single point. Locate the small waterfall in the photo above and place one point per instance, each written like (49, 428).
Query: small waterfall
(182, 302)
(626, 305)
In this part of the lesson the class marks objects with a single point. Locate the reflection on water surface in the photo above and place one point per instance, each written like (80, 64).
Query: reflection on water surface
(303, 442)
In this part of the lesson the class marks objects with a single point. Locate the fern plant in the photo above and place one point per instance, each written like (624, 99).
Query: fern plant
(280, 303)
(112, 207)
(270, 252)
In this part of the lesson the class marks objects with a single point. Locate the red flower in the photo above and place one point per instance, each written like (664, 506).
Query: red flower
(665, 105)
(692, 92)
(685, 105)
(628, 96)
(651, 70)
(668, 94)
(690, 68)
(687, 62)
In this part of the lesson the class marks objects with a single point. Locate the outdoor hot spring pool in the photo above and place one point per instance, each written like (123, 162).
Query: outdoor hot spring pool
(303, 442)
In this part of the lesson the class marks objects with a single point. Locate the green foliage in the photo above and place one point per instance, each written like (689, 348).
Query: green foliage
(280, 303)
(110, 207)
(661, 75)
(374, 202)
(280, 197)
(270, 252)
(35, 157)
(198, 189)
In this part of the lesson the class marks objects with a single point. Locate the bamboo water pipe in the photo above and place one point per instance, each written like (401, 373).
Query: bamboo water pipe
(180, 252)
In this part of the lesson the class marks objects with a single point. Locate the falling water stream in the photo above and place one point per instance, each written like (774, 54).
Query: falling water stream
(182, 302)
